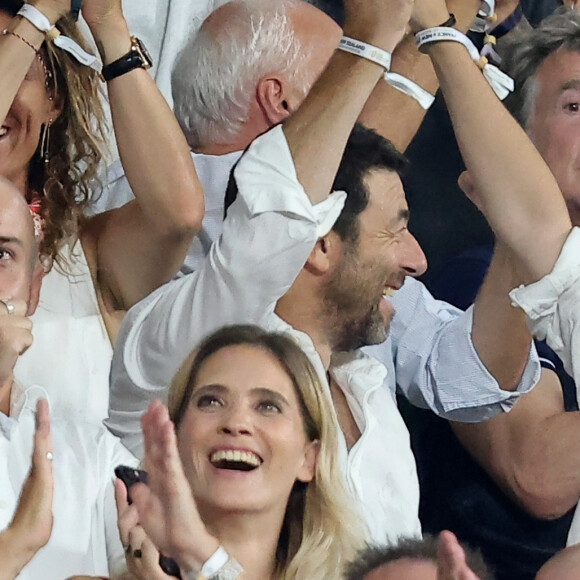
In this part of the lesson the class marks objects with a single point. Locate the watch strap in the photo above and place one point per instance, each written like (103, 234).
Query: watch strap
(123, 65)
(137, 57)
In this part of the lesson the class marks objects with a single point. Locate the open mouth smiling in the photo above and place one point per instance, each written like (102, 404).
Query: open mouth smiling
(235, 460)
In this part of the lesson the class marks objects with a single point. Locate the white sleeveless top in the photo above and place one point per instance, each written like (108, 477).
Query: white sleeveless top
(71, 353)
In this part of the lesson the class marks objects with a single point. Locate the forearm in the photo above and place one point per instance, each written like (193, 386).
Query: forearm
(317, 133)
(519, 195)
(153, 150)
(15, 59)
(500, 334)
(533, 452)
(12, 554)
(394, 114)
(391, 113)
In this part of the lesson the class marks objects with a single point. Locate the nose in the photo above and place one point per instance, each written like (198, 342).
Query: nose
(236, 420)
(411, 258)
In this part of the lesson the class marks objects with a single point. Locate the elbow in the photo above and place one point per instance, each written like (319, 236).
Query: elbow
(190, 209)
(183, 221)
(541, 496)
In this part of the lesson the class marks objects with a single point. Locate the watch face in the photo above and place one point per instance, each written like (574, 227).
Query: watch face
(140, 48)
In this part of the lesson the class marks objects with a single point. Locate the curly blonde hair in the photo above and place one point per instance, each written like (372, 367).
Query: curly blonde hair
(320, 533)
(76, 143)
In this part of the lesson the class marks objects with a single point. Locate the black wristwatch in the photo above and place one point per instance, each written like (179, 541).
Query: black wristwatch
(137, 57)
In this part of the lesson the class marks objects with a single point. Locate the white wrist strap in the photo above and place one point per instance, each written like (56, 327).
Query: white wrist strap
(215, 562)
(501, 83)
(219, 566)
(42, 23)
(410, 88)
(364, 50)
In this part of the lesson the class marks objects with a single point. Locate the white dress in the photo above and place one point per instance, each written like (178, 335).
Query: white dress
(71, 353)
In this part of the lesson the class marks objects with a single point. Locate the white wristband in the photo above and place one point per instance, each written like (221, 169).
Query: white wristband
(42, 23)
(368, 51)
(410, 88)
(215, 562)
(219, 566)
(35, 17)
(501, 83)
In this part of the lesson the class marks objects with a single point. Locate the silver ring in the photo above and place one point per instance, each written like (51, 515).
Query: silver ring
(49, 455)
(9, 306)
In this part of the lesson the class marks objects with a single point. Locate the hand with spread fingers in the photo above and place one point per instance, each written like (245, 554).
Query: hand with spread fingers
(166, 506)
(15, 336)
(31, 525)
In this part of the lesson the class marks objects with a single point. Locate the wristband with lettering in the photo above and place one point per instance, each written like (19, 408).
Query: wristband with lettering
(368, 51)
(501, 83)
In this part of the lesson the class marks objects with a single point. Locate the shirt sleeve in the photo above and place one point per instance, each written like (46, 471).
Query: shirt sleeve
(436, 364)
(268, 234)
(553, 306)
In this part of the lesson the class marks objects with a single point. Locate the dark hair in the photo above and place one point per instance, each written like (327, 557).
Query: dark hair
(365, 151)
(373, 557)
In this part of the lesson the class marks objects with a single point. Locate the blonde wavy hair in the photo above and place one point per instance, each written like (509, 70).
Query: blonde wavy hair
(320, 533)
(76, 143)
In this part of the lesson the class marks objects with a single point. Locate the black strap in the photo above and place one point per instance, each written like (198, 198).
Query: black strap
(75, 8)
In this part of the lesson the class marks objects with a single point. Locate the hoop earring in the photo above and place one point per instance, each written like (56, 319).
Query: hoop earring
(45, 143)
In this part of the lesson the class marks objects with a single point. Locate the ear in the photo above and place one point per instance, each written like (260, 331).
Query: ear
(272, 99)
(308, 469)
(324, 254)
(35, 285)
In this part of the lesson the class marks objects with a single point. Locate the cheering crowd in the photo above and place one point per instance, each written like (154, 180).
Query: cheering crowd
(218, 358)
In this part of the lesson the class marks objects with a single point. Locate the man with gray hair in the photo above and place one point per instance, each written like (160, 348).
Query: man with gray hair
(248, 68)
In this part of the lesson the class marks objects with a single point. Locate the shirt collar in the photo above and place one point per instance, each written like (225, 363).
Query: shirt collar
(361, 372)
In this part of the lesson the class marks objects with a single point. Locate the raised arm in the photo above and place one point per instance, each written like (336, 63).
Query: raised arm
(318, 131)
(143, 244)
(394, 114)
(516, 190)
(283, 182)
